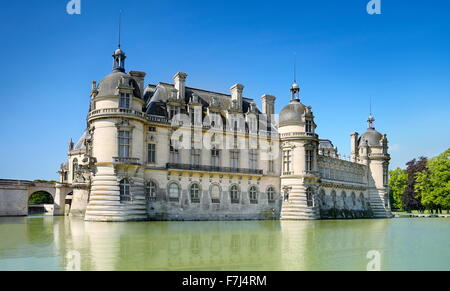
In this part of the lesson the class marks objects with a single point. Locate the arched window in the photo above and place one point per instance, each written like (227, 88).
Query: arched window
(344, 198)
(215, 194)
(361, 199)
(309, 197)
(253, 195)
(125, 194)
(333, 198)
(234, 194)
(194, 191)
(74, 167)
(353, 198)
(322, 197)
(150, 191)
(174, 192)
(271, 194)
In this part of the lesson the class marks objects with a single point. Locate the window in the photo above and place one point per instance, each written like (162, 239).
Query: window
(174, 192)
(253, 194)
(150, 191)
(344, 198)
(124, 186)
(385, 175)
(309, 197)
(271, 194)
(309, 160)
(195, 157)
(333, 198)
(253, 159)
(195, 193)
(308, 126)
(287, 162)
(74, 167)
(271, 166)
(215, 157)
(353, 198)
(322, 197)
(152, 129)
(215, 194)
(124, 144)
(234, 194)
(234, 158)
(124, 100)
(174, 156)
(151, 153)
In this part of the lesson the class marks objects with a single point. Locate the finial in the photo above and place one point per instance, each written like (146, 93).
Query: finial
(120, 27)
(371, 119)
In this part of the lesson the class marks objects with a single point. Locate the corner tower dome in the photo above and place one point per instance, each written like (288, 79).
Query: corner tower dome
(292, 114)
(371, 136)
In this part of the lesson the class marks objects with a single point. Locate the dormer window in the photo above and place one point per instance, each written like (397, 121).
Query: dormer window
(124, 100)
(308, 126)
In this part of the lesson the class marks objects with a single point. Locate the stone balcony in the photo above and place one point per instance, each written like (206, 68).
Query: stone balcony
(126, 161)
(205, 168)
(299, 135)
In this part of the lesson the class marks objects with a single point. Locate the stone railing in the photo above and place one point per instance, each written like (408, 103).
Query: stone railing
(213, 169)
(126, 160)
(116, 111)
(298, 134)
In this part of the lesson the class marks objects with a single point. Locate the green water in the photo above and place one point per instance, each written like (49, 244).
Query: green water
(43, 243)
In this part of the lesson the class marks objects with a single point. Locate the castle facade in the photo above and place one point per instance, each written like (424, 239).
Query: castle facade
(171, 152)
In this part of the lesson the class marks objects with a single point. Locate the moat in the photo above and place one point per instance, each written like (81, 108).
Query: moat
(48, 243)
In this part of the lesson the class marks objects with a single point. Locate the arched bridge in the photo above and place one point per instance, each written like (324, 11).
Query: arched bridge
(14, 195)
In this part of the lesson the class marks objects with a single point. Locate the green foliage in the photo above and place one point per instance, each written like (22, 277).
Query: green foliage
(40, 198)
(433, 184)
(397, 184)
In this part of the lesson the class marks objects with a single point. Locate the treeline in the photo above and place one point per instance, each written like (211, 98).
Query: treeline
(423, 185)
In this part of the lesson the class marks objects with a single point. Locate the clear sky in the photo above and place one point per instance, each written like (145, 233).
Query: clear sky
(401, 58)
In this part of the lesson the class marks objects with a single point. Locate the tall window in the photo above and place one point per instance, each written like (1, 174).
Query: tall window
(309, 197)
(333, 198)
(234, 194)
(151, 153)
(253, 195)
(174, 157)
(271, 165)
(74, 167)
(361, 199)
(124, 144)
(124, 100)
(308, 126)
(124, 187)
(174, 192)
(322, 197)
(253, 159)
(215, 194)
(215, 157)
(385, 175)
(271, 194)
(344, 198)
(195, 193)
(234, 158)
(353, 198)
(287, 167)
(195, 157)
(150, 191)
(309, 160)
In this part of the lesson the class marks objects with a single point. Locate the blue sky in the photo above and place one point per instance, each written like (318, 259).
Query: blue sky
(401, 58)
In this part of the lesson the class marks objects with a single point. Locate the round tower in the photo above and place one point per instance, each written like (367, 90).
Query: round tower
(373, 152)
(299, 149)
(116, 123)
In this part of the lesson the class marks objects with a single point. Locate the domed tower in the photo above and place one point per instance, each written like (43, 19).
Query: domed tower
(299, 149)
(372, 151)
(116, 123)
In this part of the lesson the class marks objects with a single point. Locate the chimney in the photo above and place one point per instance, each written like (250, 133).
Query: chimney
(236, 94)
(180, 84)
(268, 104)
(354, 146)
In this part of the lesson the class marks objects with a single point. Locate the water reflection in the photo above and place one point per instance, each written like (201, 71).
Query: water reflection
(243, 245)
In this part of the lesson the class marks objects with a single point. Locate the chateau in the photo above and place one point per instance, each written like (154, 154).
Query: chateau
(172, 152)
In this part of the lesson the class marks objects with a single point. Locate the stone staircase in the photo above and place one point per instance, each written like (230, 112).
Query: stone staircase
(377, 205)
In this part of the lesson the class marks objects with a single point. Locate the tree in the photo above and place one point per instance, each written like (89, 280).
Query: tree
(397, 185)
(410, 199)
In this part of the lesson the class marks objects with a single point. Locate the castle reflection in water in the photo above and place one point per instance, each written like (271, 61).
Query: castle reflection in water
(226, 245)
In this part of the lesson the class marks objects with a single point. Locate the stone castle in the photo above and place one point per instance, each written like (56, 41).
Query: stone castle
(171, 152)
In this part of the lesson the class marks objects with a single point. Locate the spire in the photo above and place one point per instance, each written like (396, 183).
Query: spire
(295, 89)
(119, 55)
(371, 119)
